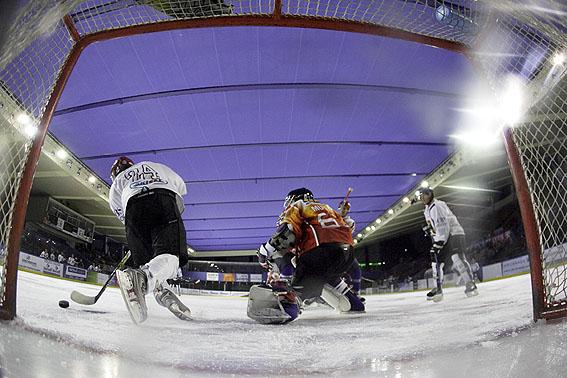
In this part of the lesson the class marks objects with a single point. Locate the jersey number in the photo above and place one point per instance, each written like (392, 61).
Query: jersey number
(326, 221)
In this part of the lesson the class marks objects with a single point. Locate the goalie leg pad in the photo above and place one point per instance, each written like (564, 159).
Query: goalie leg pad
(267, 306)
(341, 298)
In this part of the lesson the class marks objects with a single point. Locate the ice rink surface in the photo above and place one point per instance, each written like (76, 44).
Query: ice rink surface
(401, 335)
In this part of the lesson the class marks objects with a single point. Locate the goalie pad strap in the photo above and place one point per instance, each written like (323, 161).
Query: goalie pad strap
(335, 296)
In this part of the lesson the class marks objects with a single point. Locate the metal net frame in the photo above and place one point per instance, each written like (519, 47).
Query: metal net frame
(46, 38)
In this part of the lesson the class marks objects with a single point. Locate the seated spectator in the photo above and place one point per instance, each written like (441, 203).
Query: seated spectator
(71, 260)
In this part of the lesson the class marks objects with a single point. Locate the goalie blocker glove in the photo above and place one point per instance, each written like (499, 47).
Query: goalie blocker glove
(265, 251)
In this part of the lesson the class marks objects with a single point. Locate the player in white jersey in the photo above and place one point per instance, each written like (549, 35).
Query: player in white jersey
(146, 197)
(448, 240)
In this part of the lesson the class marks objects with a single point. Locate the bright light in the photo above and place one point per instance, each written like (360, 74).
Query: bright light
(359, 235)
(406, 200)
(479, 137)
(61, 154)
(424, 184)
(378, 221)
(391, 211)
(417, 193)
(558, 59)
(92, 179)
(512, 101)
(367, 228)
(414, 174)
(30, 130)
(355, 241)
(470, 188)
(484, 116)
(372, 228)
(23, 119)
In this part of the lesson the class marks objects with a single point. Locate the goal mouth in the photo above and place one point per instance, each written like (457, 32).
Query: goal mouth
(44, 47)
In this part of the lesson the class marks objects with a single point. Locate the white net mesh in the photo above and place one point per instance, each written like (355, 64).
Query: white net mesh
(30, 65)
(541, 141)
(527, 42)
(511, 37)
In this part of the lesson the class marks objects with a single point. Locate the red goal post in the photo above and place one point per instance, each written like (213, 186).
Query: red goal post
(41, 50)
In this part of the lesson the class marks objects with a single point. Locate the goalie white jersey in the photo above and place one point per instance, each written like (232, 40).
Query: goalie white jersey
(442, 221)
(145, 175)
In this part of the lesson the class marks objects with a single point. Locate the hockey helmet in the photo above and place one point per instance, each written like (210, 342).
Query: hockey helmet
(427, 191)
(298, 194)
(121, 164)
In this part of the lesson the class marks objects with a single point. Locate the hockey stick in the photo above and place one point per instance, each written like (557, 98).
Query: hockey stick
(342, 206)
(87, 300)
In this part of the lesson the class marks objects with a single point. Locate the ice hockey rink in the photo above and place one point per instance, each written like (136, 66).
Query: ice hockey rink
(400, 335)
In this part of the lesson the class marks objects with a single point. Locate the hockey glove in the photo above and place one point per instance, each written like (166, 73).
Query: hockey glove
(264, 252)
(350, 222)
(437, 247)
(344, 208)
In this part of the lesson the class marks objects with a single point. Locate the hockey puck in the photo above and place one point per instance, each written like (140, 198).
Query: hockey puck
(63, 304)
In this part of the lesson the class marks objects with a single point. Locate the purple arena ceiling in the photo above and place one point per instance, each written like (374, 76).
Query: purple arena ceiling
(246, 114)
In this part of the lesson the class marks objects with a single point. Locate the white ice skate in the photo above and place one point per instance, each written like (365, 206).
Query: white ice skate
(435, 295)
(133, 285)
(166, 298)
(471, 290)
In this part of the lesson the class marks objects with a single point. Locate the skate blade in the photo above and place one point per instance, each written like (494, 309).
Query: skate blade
(183, 314)
(473, 293)
(134, 308)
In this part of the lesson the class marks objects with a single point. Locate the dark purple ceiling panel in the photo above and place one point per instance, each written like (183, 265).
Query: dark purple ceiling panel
(245, 115)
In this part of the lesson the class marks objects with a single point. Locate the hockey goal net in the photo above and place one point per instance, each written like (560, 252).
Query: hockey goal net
(44, 39)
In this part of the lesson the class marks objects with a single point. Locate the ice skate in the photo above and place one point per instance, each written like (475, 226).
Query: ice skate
(471, 290)
(356, 305)
(166, 298)
(133, 284)
(435, 295)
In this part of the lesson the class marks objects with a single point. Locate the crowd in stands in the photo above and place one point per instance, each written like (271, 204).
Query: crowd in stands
(98, 257)
(503, 243)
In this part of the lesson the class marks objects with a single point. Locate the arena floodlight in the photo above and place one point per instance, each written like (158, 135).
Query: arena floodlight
(512, 101)
(424, 184)
(61, 154)
(478, 138)
(24, 119)
(391, 211)
(558, 59)
(406, 200)
(470, 188)
(92, 179)
(30, 130)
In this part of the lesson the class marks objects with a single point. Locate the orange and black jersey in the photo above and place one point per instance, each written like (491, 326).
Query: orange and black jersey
(315, 223)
